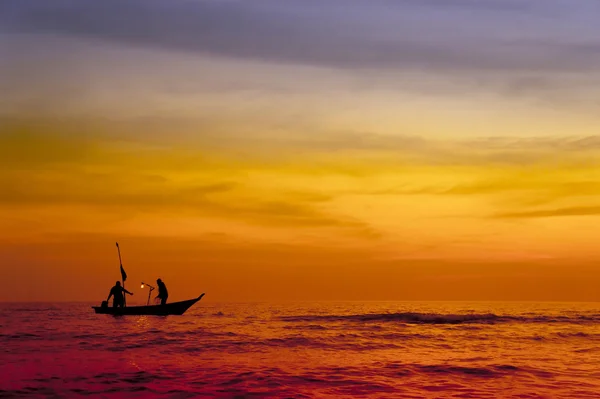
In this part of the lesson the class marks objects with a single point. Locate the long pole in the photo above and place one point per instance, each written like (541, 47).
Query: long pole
(149, 292)
(122, 279)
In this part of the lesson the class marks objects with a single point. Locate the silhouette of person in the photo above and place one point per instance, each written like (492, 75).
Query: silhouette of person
(117, 292)
(163, 294)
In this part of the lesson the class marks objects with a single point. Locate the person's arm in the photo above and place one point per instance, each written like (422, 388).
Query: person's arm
(109, 295)
(130, 293)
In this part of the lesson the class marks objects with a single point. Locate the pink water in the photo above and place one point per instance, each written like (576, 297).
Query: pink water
(304, 350)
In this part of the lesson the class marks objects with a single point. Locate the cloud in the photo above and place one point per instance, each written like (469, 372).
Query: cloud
(547, 213)
(180, 143)
(295, 181)
(117, 58)
(45, 169)
(553, 189)
(135, 192)
(571, 143)
(23, 145)
(293, 216)
(457, 35)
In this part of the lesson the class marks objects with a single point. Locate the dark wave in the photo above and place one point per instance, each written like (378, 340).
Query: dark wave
(434, 318)
(576, 334)
(475, 371)
(421, 318)
(21, 337)
(490, 370)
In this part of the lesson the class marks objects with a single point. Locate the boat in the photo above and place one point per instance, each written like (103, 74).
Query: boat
(175, 308)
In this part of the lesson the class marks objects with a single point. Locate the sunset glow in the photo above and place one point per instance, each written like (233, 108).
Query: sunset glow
(398, 162)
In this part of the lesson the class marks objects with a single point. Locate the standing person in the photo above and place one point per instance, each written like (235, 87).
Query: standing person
(117, 292)
(163, 294)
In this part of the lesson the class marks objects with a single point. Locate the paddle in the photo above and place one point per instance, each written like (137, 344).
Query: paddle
(123, 276)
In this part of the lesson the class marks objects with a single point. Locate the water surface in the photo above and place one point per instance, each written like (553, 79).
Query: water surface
(304, 350)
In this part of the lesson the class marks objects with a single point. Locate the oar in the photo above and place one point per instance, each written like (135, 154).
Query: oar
(119, 250)
(123, 276)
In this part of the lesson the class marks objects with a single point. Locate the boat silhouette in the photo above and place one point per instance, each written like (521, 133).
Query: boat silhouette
(175, 309)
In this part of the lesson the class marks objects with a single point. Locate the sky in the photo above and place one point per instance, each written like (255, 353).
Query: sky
(300, 150)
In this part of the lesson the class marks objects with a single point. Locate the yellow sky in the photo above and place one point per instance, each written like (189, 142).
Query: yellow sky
(309, 174)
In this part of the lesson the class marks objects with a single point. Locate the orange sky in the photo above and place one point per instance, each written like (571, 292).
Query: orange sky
(246, 223)
(263, 177)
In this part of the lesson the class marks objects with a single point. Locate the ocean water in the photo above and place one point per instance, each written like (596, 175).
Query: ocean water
(304, 350)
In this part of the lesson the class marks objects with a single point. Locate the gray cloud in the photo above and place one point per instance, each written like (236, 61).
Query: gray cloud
(459, 34)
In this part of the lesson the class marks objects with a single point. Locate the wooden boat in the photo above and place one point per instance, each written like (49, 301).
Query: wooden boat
(175, 308)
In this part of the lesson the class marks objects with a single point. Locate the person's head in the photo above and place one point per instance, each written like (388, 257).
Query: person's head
(158, 281)
(118, 283)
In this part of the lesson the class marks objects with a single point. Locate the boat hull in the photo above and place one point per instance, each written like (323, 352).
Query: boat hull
(175, 309)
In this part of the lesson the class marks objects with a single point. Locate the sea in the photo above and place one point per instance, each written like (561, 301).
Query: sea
(303, 350)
